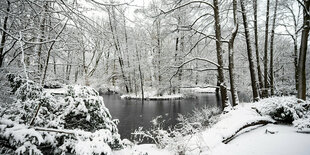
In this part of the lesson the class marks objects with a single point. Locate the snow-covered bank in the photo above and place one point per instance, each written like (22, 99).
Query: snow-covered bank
(152, 95)
(284, 140)
(185, 93)
(238, 129)
(199, 90)
(155, 97)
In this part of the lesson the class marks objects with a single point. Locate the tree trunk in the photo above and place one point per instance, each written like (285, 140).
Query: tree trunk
(249, 51)
(180, 60)
(3, 37)
(176, 56)
(140, 75)
(55, 66)
(117, 46)
(49, 53)
(296, 62)
(127, 52)
(219, 51)
(41, 36)
(265, 91)
(259, 72)
(271, 49)
(234, 95)
(159, 52)
(301, 93)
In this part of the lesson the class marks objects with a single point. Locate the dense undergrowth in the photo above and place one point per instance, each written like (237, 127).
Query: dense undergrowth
(37, 122)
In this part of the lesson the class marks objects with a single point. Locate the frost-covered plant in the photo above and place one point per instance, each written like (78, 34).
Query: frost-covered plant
(203, 117)
(177, 138)
(283, 109)
(84, 109)
(15, 81)
(37, 122)
(303, 123)
(157, 134)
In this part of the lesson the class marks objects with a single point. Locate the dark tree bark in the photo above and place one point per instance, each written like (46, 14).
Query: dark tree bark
(219, 51)
(259, 72)
(157, 22)
(301, 93)
(140, 75)
(265, 91)
(249, 51)
(49, 53)
(234, 95)
(271, 49)
(3, 37)
(117, 46)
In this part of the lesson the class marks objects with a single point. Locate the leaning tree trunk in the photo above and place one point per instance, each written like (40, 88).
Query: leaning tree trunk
(265, 91)
(271, 49)
(301, 93)
(219, 51)
(234, 95)
(259, 72)
(249, 50)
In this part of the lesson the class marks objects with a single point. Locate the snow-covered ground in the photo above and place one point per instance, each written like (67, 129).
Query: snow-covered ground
(200, 90)
(254, 138)
(285, 140)
(144, 149)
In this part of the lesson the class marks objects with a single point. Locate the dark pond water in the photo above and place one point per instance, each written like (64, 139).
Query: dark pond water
(133, 113)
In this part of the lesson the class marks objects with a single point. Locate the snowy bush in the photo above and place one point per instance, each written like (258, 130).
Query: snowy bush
(15, 81)
(303, 123)
(177, 138)
(77, 123)
(203, 117)
(283, 109)
(85, 106)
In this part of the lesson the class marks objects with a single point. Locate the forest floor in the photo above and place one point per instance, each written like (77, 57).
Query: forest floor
(242, 130)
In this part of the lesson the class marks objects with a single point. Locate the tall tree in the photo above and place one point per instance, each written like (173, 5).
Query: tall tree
(301, 93)
(4, 35)
(265, 91)
(259, 72)
(295, 16)
(234, 95)
(271, 49)
(219, 53)
(249, 51)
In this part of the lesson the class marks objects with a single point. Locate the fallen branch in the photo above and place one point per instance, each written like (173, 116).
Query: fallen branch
(259, 122)
(71, 132)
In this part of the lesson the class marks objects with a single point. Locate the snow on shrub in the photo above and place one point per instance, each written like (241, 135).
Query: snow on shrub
(303, 123)
(37, 122)
(283, 109)
(177, 138)
(85, 106)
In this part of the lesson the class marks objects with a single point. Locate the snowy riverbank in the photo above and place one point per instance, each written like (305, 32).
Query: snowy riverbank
(243, 130)
(153, 95)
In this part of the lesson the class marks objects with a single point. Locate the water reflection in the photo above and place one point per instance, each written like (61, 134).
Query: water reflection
(135, 113)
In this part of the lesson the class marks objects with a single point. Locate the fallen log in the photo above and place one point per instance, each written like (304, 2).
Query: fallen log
(259, 122)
